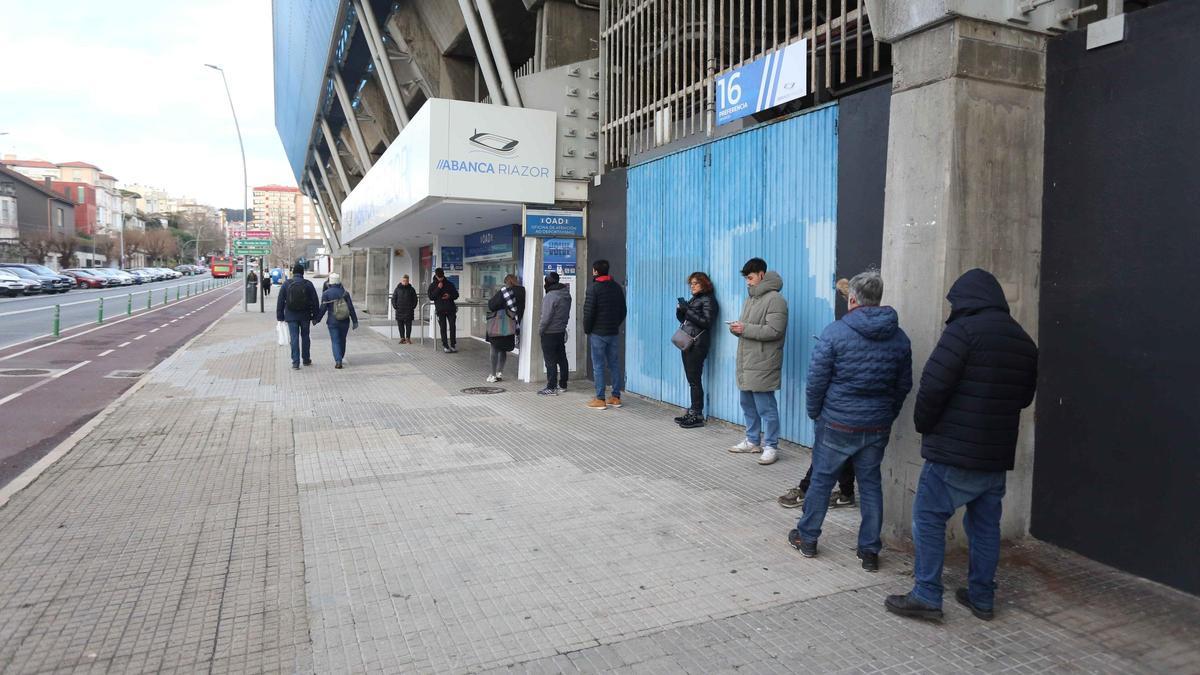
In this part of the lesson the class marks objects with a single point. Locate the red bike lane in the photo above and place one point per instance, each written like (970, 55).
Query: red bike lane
(50, 388)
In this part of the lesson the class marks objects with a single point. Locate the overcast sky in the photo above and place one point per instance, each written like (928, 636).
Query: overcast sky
(121, 84)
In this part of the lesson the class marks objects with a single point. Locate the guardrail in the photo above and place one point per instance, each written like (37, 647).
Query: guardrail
(153, 296)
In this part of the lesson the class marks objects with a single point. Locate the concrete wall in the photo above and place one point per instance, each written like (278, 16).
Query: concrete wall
(572, 34)
(862, 170)
(964, 189)
(378, 277)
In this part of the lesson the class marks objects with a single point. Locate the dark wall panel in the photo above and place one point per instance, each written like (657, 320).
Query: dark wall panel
(862, 169)
(1117, 460)
(606, 234)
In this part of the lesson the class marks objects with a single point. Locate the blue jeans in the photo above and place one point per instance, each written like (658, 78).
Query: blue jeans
(940, 492)
(606, 363)
(298, 334)
(762, 417)
(833, 449)
(337, 336)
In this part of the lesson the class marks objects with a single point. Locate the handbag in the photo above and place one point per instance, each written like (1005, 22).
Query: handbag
(501, 324)
(682, 340)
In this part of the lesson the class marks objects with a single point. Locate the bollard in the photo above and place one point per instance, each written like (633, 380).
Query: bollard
(177, 289)
(56, 320)
(149, 301)
(166, 294)
(129, 306)
(100, 312)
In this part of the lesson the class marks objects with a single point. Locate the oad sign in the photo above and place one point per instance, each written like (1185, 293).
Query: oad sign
(549, 223)
(772, 80)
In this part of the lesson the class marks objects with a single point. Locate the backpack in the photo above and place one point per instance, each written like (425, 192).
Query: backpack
(341, 309)
(297, 298)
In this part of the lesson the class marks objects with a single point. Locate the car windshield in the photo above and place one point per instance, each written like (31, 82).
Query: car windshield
(41, 269)
(5, 274)
(22, 272)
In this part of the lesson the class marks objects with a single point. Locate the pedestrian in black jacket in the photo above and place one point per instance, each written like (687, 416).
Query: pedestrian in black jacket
(603, 314)
(443, 294)
(980, 376)
(552, 332)
(696, 316)
(404, 302)
(298, 304)
(510, 300)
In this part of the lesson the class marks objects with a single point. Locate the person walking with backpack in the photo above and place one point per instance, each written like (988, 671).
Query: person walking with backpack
(404, 303)
(696, 316)
(297, 305)
(760, 330)
(506, 308)
(980, 376)
(266, 285)
(603, 314)
(337, 303)
(552, 333)
(443, 294)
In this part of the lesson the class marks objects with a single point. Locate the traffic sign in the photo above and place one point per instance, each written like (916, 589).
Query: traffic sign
(257, 234)
(252, 243)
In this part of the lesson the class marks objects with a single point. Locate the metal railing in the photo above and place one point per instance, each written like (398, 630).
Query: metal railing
(660, 58)
(123, 304)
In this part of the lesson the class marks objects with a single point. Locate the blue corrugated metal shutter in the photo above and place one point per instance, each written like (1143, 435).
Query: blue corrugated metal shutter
(769, 192)
(303, 34)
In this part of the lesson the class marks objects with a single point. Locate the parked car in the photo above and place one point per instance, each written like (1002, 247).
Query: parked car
(52, 282)
(146, 273)
(86, 278)
(118, 277)
(171, 274)
(33, 283)
(12, 285)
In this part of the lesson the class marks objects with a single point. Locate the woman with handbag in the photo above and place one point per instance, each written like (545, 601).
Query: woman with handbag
(504, 316)
(694, 337)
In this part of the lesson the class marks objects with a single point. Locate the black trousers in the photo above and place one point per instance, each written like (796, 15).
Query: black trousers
(405, 328)
(554, 353)
(693, 368)
(845, 480)
(448, 325)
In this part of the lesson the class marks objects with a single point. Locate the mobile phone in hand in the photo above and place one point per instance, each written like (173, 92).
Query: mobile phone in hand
(681, 301)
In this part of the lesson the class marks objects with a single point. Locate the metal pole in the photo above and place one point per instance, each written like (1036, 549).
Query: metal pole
(129, 305)
(149, 299)
(245, 180)
(347, 103)
(100, 312)
(483, 55)
(262, 296)
(496, 41)
(57, 311)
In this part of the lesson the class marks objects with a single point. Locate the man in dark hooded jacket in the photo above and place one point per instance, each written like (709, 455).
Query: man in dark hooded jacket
(860, 374)
(980, 376)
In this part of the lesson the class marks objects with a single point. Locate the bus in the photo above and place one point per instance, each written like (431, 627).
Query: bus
(220, 266)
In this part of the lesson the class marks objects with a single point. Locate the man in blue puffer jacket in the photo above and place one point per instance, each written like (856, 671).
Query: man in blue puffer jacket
(861, 371)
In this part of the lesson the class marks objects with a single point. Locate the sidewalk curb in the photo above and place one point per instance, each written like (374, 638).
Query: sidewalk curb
(28, 476)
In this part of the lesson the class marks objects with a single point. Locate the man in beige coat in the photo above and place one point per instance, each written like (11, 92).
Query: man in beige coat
(760, 331)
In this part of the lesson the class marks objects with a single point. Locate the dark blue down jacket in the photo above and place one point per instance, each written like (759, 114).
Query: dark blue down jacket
(861, 370)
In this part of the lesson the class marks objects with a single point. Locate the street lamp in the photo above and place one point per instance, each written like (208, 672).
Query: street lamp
(245, 180)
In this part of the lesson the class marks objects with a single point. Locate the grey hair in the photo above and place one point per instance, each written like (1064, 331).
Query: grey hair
(867, 288)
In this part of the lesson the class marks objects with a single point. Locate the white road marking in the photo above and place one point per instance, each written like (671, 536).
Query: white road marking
(155, 330)
(77, 366)
(30, 388)
(123, 344)
(140, 337)
(164, 325)
(106, 352)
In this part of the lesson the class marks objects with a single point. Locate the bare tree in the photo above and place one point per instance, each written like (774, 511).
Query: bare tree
(108, 246)
(160, 245)
(36, 245)
(66, 246)
(285, 248)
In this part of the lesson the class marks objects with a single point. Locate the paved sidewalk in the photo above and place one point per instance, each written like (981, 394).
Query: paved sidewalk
(235, 515)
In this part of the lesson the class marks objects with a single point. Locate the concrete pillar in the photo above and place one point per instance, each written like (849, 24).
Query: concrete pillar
(360, 146)
(334, 156)
(964, 190)
(378, 277)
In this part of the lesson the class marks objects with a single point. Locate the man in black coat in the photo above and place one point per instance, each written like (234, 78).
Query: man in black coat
(980, 376)
(603, 313)
(404, 302)
(443, 294)
(297, 305)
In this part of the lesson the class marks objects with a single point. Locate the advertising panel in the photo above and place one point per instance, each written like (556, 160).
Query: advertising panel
(558, 255)
(452, 258)
(497, 243)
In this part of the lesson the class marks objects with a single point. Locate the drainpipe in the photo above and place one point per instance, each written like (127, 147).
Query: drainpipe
(339, 86)
(482, 54)
(496, 41)
(366, 17)
(331, 143)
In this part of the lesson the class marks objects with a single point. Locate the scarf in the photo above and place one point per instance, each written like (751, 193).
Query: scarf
(510, 299)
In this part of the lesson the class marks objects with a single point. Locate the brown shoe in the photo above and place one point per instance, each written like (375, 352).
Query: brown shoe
(597, 404)
(614, 401)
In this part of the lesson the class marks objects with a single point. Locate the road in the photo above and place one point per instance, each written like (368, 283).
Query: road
(49, 388)
(25, 318)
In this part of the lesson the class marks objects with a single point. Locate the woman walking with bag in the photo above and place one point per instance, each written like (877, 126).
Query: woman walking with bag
(336, 301)
(505, 310)
(694, 337)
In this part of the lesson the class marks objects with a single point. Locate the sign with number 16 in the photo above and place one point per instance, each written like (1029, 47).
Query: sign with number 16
(772, 80)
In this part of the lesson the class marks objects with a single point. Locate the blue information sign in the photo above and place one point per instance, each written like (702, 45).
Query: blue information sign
(540, 223)
(452, 258)
(558, 255)
(497, 243)
(772, 80)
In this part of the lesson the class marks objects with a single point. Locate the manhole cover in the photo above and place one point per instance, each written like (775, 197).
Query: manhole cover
(483, 390)
(24, 372)
(131, 374)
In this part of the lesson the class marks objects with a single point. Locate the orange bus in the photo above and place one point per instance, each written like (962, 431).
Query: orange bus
(220, 266)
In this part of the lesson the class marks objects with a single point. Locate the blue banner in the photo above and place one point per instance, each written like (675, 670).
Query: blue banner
(558, 255)
(452, 258)
(546, 223)
(498, 243)
(772, 80)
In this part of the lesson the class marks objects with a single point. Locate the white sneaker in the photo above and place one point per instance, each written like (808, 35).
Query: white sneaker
(745, 446)
(491, 378)
(499, 377)
(770, 454)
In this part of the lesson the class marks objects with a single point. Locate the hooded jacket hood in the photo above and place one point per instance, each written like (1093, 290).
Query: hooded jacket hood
(771, 282)
(558, 286)
(873, 323)
(974, 292)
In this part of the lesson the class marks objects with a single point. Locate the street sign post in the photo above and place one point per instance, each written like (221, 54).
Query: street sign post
(252, 247)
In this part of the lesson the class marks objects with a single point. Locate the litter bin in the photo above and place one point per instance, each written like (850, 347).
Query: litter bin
(251, 291)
